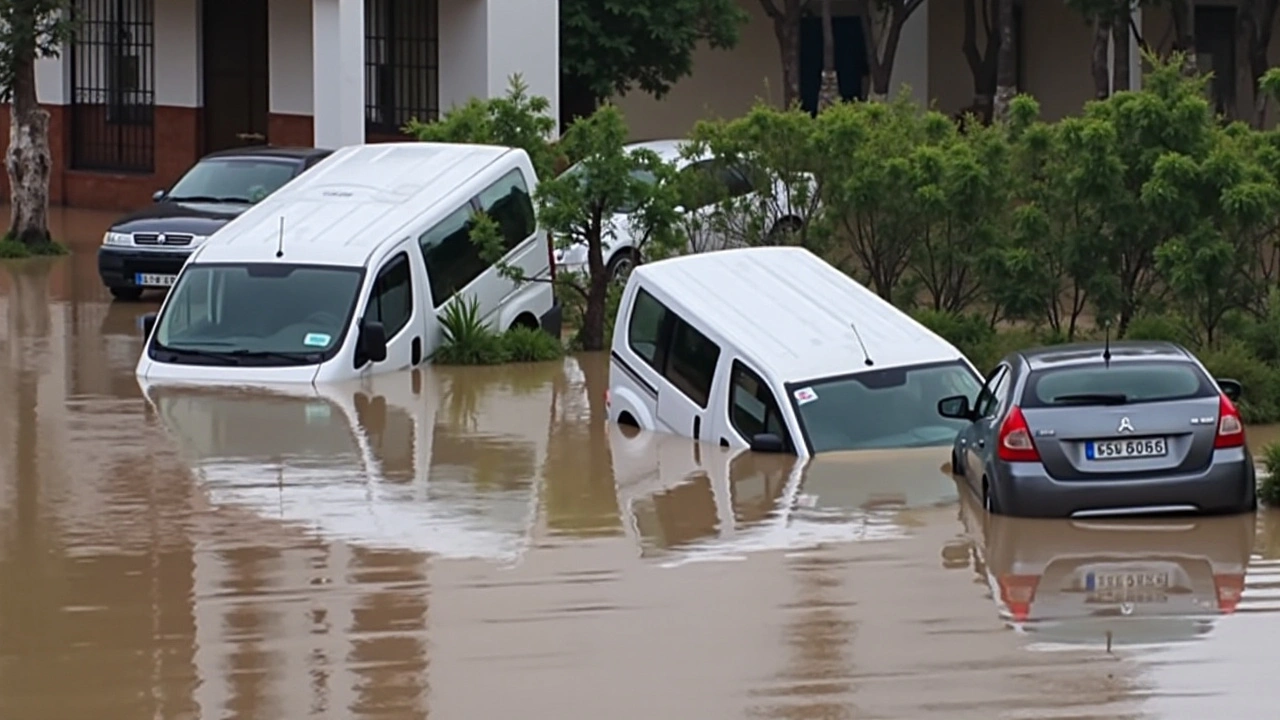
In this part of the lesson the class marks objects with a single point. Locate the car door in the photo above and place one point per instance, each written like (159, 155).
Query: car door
(690, 372)
(752, 410)
(710, 221)
(978, 439)
(391, 302)
(508, 204)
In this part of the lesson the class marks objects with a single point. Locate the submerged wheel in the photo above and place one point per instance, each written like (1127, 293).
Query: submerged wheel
(784, 228)
(621, 265)
(955, 463)
(126, 293)
(989, 501)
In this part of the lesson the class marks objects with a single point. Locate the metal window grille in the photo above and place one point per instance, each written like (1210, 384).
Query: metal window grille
(402, 63)
(112, 58)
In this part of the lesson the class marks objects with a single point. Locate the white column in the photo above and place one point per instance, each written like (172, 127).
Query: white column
(911, 64)
(337, 48)
(177, 53)
(524, 38)
(1135, 51)
(289, 40)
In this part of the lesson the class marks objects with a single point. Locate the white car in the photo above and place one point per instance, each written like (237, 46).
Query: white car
(714, 225)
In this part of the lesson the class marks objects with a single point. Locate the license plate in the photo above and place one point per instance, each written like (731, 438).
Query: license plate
(1122, 449)
(1129, 580)
(151, 280)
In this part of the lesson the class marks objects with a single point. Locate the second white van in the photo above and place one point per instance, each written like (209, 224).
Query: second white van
(343, 272)
(774, 350)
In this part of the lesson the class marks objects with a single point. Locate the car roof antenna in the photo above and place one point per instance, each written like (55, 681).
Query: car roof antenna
(280, 240)
(866, 356)
(1106, 344)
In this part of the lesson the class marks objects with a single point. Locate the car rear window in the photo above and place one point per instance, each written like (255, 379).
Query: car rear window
(1119, 382)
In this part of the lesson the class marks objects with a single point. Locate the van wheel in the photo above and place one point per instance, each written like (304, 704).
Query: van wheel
(525, 320)
(621, 265)
(784, 229)
(129, 294)
(626, 420)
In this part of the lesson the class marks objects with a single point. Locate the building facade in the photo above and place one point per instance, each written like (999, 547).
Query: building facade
(149, 86)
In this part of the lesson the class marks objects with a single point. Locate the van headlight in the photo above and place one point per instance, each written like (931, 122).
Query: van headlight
(117, 239)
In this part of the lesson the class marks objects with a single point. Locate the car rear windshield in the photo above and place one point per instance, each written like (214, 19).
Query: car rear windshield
(1119, 383)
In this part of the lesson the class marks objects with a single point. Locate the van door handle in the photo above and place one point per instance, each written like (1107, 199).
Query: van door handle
(697, 428)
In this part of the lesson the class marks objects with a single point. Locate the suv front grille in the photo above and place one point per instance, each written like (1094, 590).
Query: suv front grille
(163, 239)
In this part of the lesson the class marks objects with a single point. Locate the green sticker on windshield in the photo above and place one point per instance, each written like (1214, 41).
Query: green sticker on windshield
(317, 339)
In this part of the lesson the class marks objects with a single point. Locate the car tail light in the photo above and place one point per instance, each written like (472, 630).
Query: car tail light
(1230, 426)
(1017, 592)
(1229, 588)
(1015, 439)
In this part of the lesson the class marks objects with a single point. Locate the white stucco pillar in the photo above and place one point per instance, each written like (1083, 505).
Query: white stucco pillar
(290, 53)
(337, 47)
(484, 42)
(177, 53)
(1135, 51)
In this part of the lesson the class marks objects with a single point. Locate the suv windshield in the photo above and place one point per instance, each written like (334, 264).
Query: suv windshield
(1118, 383)
(260, 314)
(890, 408)
(231, 179)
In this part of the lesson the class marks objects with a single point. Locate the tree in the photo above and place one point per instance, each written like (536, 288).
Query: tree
(982, 61)
(786, 29)
(580, 205)
(29, 30)
(1006, 64)
(1257, 22)
(609, 47)
(882, 22)
(829, 90)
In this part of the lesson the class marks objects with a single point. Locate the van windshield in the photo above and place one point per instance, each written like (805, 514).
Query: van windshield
(257, 314)
(890, 408)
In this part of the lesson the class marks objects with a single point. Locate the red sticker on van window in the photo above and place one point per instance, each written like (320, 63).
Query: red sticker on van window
(805, 395)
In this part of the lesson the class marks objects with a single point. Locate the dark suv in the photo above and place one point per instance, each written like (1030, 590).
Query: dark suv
(146, 249)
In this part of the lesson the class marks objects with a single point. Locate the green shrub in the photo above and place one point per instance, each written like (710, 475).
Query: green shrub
(1269, 486)
(13, 250)
(1166, 327)
(468, 340)
(1260, 402)
(972, 334)
(526, 344)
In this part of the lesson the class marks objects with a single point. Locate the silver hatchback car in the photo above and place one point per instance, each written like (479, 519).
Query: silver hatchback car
(1093, 429)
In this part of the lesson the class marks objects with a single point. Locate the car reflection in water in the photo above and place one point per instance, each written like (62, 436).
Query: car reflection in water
(1114, 581)
(697, 502)
(428, 460)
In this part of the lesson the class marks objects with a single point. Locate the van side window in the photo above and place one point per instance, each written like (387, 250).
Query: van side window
(668, 344)
(691, 362)
(644, 330)
(392, 300)
(507, 202)
(753, 410)
(453, 261)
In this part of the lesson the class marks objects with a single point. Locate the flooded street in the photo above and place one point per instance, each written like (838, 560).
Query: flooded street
(478, 543)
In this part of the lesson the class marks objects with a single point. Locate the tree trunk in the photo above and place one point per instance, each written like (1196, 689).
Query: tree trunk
(28, 160)
(829, 91)
(1184, 30)
(1006, 64)
(1101, 39)
(593, 317)
(1120, 76)
(1257, 20)
(787, 30)
(982, 65)
(880, 65)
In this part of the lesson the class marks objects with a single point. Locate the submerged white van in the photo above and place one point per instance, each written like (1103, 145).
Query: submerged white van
(342, 272)
(775, 350)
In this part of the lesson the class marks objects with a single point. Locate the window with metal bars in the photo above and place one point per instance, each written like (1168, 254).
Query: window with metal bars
(402, 63)
(112, 59)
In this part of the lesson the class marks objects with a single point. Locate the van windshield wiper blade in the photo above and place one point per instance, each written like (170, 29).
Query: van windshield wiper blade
(195, 198)
(224, 358)
(1092, 399)
(290, 356)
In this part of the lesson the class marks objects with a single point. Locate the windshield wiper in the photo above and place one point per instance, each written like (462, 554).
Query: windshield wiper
(195, 198)
(224, 358)
(1092, 399)
(290, 356)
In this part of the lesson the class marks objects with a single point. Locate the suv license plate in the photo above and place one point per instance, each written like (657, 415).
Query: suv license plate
(1125, 449)
(151, 280)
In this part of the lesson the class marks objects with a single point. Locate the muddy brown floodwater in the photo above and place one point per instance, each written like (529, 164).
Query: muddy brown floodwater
(479, 543)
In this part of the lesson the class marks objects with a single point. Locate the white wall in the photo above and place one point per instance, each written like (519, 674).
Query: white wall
(289, 46)
(177, 53)
(463, 51)
(911, 63)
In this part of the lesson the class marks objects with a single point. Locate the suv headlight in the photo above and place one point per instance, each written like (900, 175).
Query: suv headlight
(198, 240)
(117, 238)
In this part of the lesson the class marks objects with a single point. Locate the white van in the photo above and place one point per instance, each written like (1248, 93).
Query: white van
(342, 272)
(773, 349)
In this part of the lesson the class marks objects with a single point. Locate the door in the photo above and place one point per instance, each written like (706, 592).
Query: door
(977, 441)
(690, 371)
(392, 303)
(236, 85)
(508, 203)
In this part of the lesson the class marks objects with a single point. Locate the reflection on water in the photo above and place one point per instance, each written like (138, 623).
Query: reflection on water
(480, 543)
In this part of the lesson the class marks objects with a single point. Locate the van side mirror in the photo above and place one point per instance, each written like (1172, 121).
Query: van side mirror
(1231, 388)
(373, 341)
(956, 407)
(147, 323)
(767, 443)
(158, 195)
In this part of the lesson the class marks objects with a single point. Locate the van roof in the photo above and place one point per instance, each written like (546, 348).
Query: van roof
(340, 211)
(789, 311)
